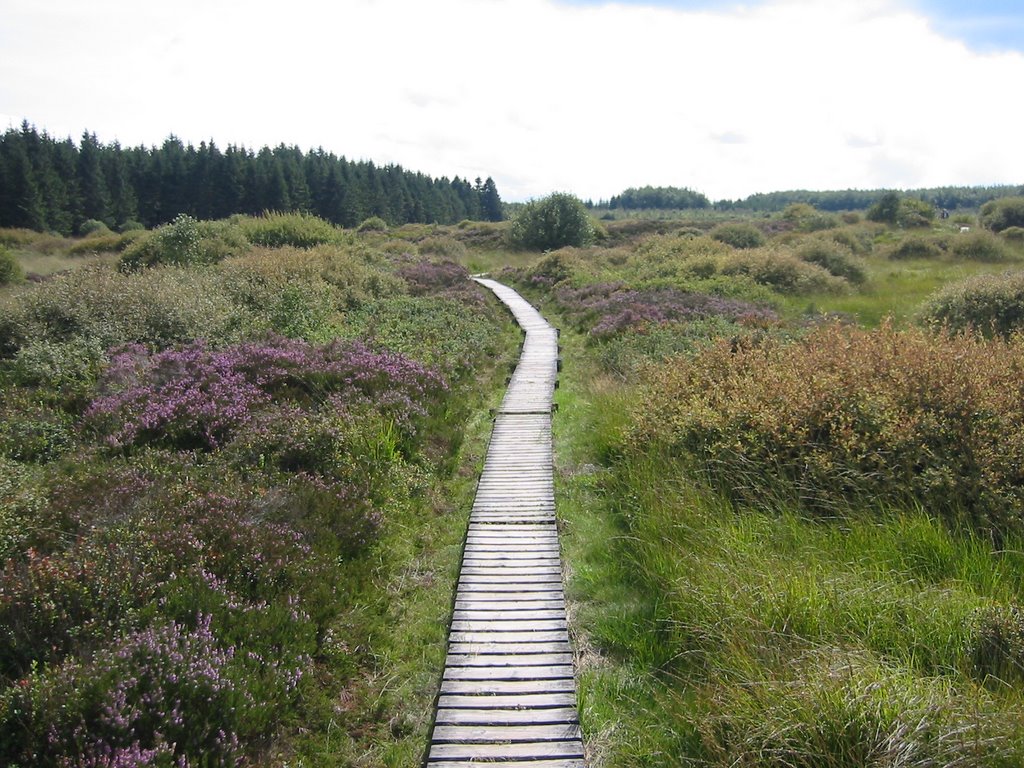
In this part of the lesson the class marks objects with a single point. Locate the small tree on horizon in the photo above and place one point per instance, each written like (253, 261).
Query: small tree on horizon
(556, 221)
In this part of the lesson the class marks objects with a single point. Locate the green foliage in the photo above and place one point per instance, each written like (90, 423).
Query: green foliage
(886, 209)
(917, 247)
(373, 224)
(914, 213)
(555, 221)
(185, 242)
(739, 235)
(659, 198)
(301, 230)
(10, 267)
(1013, 234)
(987, 304)
(979, 246)
(782, 271)
(997, 645)
(1005, 212)
(834, 257)
(845, 415)
(93, 228)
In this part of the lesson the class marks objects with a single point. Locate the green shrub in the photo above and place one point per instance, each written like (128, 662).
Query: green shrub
(885, 209)
(185, 242)
(984, 303)
(914, 213)
(843, 414)
(782, 271)
(133, 226)
(837, 259)
(556, 221)
(448, 247)
(1013, 234)
(301, 230)
(1005, 212)
(851, 217)
(10, 267)
(373, 224)
(979, 246)
(916, 247)
(93, 228)
(738, 235)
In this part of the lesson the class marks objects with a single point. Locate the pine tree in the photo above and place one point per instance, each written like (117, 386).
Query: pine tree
(490, 202)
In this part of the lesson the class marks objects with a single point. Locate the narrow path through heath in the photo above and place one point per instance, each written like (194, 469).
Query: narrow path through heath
(509, 693)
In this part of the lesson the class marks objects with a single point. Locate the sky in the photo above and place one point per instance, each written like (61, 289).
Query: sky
(579, 96)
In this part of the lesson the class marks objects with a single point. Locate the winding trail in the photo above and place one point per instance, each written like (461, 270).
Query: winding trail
(508, 695)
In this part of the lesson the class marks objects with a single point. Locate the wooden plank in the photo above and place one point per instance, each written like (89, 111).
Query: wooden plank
(507, 734)
(462, 604)
(492, 625)
(552, 762)
(505, 648)
(554, 672)
(492, 614)
(510, 660)
(505, 637)
(534, 750)
(534, 715)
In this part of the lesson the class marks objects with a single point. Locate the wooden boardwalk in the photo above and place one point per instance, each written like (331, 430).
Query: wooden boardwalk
(508, 695)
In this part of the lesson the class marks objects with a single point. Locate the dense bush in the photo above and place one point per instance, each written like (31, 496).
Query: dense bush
(373, 224)
(846, 415)
(156, 306)
(555, 221)
(1013, 234)
(10, 267)
(781, 270)
(1005, 212)
(986, 303)
(834, 257)
(301, 230)
(917, 247)
(185, 242)
(194, 397)
(738, 235)
(979, 246)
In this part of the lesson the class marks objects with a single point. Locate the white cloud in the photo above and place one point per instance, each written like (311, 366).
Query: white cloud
(540, 95)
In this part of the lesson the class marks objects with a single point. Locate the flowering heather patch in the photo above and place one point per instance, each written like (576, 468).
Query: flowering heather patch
(168, 695)
(195, 397)
(607, 309)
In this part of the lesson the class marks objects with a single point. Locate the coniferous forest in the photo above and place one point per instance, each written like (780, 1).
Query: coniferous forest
(54, 184)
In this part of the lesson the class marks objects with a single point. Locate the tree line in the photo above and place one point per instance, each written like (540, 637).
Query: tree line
(55, 184)
(682, 198)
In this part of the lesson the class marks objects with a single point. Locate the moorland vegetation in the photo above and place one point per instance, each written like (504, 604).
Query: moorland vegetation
(788, 472)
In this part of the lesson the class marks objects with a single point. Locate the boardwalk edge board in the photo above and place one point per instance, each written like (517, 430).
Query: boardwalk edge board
(508, 693)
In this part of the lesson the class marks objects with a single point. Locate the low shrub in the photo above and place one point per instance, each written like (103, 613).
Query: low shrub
(834, 257)
(1013, 234)
(10, 267)
(979, 246)
(781, 270)
(93, 228)
(31, 430)
(1000, 214)
(373, 224)
(986, 304)
(300, 230)
(845, 414)
(917, 247)
(185, 242)
(446, 247)
(738, 235)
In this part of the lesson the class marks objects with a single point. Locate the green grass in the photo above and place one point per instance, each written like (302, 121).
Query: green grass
(715, 635)
(895, 289)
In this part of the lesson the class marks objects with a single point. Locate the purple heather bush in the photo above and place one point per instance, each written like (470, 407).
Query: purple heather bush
(608, 309)
(170, 695)
(196, 397)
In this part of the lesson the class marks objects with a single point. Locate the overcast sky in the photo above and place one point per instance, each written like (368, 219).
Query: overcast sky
(579, 96)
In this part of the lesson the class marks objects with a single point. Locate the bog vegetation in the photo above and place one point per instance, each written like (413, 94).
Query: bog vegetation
(223, 453)
(789, 467)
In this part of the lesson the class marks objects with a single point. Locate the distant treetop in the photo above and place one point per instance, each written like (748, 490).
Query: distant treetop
(659, 197)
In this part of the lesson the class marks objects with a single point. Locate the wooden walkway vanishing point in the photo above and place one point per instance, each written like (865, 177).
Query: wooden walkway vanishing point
(508, 696)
